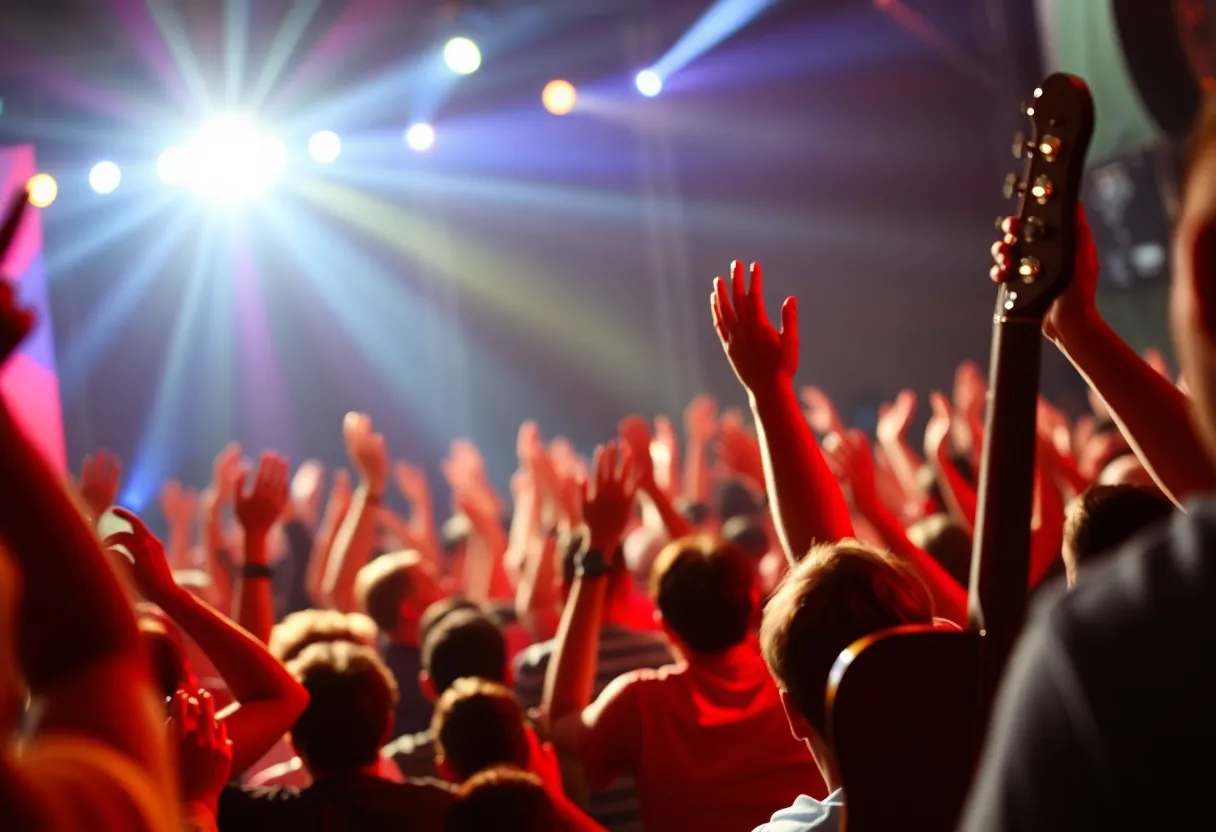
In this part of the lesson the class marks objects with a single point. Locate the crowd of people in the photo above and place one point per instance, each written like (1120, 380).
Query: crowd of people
(639, 640)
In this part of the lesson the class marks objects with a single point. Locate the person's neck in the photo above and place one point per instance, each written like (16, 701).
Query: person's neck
(406, 635)
(730, 655)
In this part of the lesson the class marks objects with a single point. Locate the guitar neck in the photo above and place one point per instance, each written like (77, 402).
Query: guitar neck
(1001, 553)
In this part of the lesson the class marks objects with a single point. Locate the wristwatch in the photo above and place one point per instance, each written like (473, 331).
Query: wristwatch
(590, 564)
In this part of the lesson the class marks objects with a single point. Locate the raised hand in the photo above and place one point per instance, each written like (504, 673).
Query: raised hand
(179, 505)
(894, 419)
(852, 462)
(1077, 301)
(224, 473)
(1154, 359)
(411, 482)
(306, 488)
(149, 566)
(1053, 426)
(608, 496)
(937, 432)
(16, 322)
(366, 451)
(99, 476)
(259, 507)
(203, 750)
(759, 354)
(635, 435)
(821, 414)
(701, 420)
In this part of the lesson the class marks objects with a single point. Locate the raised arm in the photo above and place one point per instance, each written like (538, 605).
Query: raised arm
(322, 543)
(635, 433)
(412, 484)
(180, 509)
(960, 495)
(570, 678)
(853, 462)
(268, 699)
(356, 538)
(257, 509)
(700, 425)
(806, 501)
(77, 644)
(1153, 414)
(893, 422)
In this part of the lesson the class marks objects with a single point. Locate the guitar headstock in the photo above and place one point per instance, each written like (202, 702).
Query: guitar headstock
(1061, 117)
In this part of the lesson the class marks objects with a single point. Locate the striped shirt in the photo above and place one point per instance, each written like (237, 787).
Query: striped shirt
(621, 650)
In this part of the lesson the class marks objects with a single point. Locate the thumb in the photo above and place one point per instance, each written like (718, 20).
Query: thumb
(789, 330)
(238, 484)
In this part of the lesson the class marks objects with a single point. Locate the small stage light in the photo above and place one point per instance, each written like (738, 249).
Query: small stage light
(105, 177)
(649, 83)
(420, 137)
(324, 147)
(559, 97)
(462, 56)
(43, 189)
(172, 165)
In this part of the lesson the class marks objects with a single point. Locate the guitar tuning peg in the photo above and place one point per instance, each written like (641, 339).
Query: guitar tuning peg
(1013, 186)
(1019, 145)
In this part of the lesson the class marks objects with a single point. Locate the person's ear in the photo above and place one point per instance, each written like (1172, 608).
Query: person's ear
(426, 686)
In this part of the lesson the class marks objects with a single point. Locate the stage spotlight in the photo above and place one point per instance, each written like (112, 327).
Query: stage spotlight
(172, 166)
(462, 56)
(420, 137)
(649, 83)
(105, 177)
(324, 147)
(559, 97)
(43, 189)
(232, 160)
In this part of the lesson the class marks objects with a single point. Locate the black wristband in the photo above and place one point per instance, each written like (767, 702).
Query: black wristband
(256, 570)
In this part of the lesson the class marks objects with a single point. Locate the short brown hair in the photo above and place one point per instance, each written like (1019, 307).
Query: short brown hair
(836, 595)
(304, 627)
(502, 798)
(383, 585)
(350, 707)
(1105, 517)
(465, 643)
(706, 589)
(478, 724)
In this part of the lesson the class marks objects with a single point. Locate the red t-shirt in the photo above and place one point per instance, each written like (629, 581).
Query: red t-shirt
(707, 742)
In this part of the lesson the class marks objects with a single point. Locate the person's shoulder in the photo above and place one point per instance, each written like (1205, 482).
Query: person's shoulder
(806, 813)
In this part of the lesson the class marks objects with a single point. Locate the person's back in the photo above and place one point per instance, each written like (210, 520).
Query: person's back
(715, 749)
(1106, 715)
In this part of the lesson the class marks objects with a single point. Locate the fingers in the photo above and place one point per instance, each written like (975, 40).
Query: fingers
(789, 332)
(756, 292)
(940, 404)
(739, 289)
(724, 306)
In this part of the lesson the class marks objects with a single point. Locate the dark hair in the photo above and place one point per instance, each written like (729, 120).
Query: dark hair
(504, 799)
(947, 542)
(464, 644)
(304, 627)
(350, 707)
(385, 584)
(748, 533)
(478, 724)
(706, 589)
(835, 595)
(694, 511)
(735, 499)
(440, 610)
(1105, 517)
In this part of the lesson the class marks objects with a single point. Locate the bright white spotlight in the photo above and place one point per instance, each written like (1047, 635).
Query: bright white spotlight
(105, 177)
(649, 83)
(559, 97)
(232, 160)
(172, 166)
(324, 147)
(420, 137)
(462, 56)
